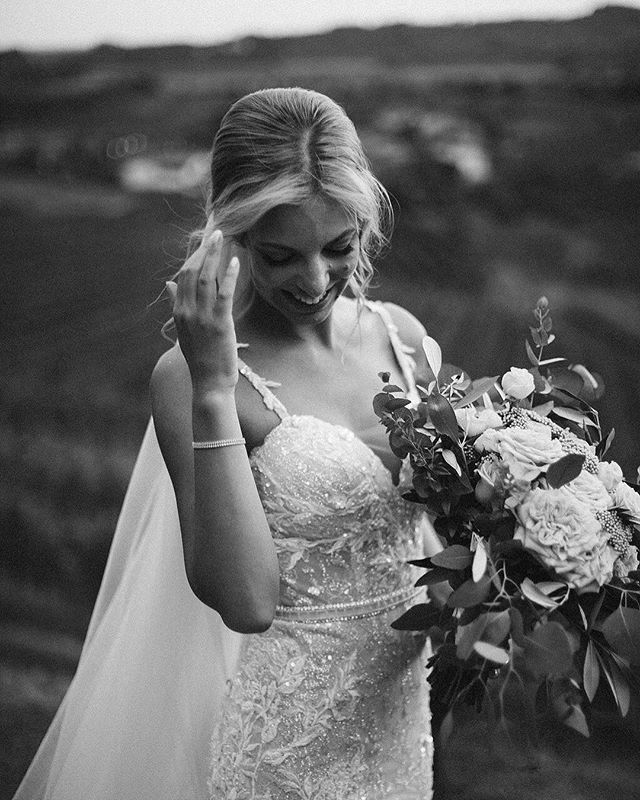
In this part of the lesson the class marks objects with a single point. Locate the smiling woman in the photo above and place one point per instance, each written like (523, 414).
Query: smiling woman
(303, 256)
(242, 645)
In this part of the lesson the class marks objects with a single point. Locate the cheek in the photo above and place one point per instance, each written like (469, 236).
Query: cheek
(262, 278)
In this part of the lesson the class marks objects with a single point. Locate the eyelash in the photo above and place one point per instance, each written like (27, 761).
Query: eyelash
(280, 262)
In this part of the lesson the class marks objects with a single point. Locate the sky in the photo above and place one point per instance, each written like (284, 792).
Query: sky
(78, 24)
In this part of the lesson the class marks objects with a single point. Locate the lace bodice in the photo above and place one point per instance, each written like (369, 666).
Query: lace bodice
(339, 523)
(330, 703)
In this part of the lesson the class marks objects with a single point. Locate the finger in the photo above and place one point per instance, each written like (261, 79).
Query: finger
(186, 281)
(227, 287)
(209, 272)
(209, 227)
(188, 276)
(172, 291)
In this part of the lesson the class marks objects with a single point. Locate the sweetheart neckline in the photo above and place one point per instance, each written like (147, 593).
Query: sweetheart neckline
(258, 447)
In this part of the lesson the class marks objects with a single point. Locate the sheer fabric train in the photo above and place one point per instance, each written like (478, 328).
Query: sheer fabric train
(136, 721)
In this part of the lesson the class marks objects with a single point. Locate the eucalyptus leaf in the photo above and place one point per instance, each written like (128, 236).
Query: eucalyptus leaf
(533, 359)
(565, 470)
(607, 443)
(517, 627)
(391, 387)
(454, 557)
(399, 444)
(435, 575)
(452, 461)
(544, 409)
(591, 672)
(468, 635)
(583, 616)
(481, 387)
(422, 485)
(540, 593)
(498, 627)
(573, 416)
(480, 560)
(393, 403)
(549, 650)
(529, 590)
(548, 361)
(420, 617)
(434, 355)
(576, 719)
(586, 376)
(622, 630)
(470, 593)
(443, 416)
(617, 683)
(380, 403)
(491, 652)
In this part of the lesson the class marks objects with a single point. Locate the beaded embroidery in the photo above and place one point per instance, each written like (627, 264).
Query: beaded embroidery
(330, 703)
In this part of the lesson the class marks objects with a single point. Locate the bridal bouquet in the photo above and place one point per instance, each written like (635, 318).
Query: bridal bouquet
(540, 537)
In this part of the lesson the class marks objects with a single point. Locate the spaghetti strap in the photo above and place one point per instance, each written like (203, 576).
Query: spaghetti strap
(401, 351)
(262, 387)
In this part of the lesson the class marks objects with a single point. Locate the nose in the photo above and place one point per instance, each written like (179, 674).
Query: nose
(315, 279)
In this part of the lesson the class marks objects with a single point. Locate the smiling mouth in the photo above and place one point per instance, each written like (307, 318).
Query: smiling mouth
(306, 300)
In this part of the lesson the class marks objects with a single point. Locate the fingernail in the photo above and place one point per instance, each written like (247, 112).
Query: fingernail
(216, 237)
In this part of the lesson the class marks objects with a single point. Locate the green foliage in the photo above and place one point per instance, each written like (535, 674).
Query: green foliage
(512, 627)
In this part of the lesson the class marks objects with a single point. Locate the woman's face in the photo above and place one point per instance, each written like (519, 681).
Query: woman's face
(302, 258)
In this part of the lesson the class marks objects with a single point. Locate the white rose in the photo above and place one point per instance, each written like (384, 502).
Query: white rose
(518, 383)
(566, 537)
(626, 563)
(588, 489)
(474, 421)
(610, 474)
(527, 452)
(627, 501)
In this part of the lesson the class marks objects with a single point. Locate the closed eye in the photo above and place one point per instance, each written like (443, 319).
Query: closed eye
(341, 251)
(276, 261)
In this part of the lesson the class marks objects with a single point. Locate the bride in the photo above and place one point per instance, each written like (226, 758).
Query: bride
(241, 645)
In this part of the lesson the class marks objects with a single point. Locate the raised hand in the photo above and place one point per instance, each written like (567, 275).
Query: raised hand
(202, 296)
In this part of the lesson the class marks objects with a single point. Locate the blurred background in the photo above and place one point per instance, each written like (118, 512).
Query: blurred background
(508, 135)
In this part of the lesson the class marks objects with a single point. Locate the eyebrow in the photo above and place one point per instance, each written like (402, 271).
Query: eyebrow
(351, 232)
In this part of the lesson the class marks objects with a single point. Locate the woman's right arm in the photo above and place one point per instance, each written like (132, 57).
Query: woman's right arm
(230, 557)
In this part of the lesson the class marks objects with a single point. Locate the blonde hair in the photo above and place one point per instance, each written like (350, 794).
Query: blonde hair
(284, 147)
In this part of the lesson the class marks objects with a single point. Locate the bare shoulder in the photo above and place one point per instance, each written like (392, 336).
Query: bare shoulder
(410, 330)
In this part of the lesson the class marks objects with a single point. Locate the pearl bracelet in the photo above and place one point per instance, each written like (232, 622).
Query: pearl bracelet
(218, 443)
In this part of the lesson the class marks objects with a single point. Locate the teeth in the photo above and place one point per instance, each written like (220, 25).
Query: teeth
(309, 301)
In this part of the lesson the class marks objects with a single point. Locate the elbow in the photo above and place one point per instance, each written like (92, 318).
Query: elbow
(254, 623)
(252, 616)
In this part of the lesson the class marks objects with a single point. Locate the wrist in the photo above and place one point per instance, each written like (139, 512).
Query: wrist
(214, 416)
(205, 399)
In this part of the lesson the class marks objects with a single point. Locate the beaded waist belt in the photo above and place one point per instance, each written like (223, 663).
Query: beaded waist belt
(357, 609)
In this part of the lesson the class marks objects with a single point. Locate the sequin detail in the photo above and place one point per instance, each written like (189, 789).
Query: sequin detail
(330, 703)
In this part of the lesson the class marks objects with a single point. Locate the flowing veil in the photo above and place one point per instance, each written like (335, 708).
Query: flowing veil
(136, 721)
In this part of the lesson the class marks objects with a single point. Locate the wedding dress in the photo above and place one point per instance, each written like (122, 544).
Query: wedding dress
(330, 703)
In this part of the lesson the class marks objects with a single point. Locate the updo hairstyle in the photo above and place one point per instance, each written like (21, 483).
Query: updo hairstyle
(287, 146)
